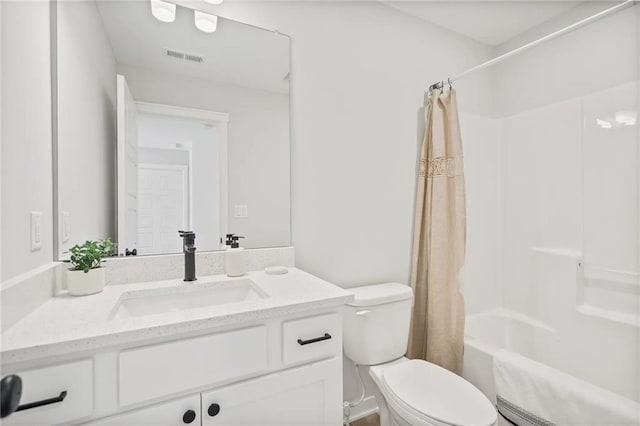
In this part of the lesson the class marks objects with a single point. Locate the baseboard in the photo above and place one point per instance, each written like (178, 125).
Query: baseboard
(364, 409)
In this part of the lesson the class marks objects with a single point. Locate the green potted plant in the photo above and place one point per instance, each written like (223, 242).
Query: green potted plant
(87, 274)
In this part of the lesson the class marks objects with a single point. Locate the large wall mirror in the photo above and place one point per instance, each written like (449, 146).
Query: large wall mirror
(166, 126)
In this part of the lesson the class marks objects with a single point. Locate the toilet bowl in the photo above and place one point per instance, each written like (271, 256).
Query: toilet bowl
(408, 392)
(418, 393)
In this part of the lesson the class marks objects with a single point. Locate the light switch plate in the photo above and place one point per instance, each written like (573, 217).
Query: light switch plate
(36, 231)
(241, 211)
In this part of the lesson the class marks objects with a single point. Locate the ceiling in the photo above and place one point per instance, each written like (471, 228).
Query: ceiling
(489, 22)
(235, 53)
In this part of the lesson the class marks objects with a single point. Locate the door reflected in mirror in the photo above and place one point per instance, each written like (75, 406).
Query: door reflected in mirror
(164, 127)
(174, 178)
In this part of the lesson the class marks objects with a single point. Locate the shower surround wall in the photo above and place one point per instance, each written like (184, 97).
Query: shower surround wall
(570, 194)
(565, 117)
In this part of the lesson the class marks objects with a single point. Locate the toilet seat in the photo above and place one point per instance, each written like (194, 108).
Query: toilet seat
(423, 390)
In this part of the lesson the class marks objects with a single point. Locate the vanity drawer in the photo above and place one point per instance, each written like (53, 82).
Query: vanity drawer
(311, 338)
(170, 368)
(75, 378)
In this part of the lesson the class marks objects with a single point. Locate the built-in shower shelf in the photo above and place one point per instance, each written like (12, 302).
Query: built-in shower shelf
(609, 315)
(611, 294)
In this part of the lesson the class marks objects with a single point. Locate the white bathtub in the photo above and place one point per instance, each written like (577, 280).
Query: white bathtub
(593, 362)
(487, 332)
(607, 357)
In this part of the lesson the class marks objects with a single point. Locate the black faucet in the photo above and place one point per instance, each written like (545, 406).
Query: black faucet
(189, 249)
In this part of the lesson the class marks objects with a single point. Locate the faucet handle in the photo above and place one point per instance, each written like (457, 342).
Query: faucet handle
(189, 238)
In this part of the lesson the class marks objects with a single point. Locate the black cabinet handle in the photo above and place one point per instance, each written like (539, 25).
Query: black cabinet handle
(214, 409)
(326, 336)
(189, 416)
(11, 390)
(54, 400)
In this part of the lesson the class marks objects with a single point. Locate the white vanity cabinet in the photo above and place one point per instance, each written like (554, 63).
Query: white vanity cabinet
(283, 371)
(306, 395)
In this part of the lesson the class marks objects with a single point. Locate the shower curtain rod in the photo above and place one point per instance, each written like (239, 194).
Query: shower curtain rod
(614, 9)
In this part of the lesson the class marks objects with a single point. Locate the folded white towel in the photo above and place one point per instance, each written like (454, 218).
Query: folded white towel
(554, 397)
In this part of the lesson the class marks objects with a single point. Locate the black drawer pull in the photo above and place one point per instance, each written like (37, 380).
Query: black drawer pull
(326, 336)
(30, 405)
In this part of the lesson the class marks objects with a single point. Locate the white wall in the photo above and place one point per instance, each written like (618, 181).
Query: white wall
(86, 124)
(258, 146)
(598, 56)
(26, 134)
(164, 132)
(357, 79)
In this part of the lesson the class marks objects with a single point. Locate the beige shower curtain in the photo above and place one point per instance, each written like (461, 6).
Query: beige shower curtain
(437, 325)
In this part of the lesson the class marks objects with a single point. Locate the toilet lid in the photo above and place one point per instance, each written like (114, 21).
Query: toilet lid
(438, 393)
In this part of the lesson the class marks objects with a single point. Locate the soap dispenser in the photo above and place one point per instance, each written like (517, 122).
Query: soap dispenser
(228, 242)
(234, 258)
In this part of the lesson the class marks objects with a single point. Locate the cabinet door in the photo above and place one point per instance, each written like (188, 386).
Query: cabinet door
(180, 412)
(309, 395)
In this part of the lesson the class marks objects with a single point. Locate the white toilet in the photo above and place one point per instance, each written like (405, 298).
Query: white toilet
(409, 392)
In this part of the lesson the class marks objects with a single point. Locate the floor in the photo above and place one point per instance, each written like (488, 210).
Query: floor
(372, 420)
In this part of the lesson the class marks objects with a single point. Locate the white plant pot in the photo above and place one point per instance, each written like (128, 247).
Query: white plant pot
(80, 283)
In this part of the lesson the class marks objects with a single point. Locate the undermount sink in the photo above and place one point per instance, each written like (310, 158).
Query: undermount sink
(188, 296)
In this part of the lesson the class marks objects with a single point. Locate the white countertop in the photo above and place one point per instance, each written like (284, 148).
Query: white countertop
(67, 324)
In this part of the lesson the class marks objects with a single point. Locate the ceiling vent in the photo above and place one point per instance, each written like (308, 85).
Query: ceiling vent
(193, 58)
(184, 55)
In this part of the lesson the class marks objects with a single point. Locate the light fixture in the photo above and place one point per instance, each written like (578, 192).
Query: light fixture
(205, 22)
(163, 11)
(216, 2)
(603, 124)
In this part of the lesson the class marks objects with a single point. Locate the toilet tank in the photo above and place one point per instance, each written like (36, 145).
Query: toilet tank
(376, 323)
